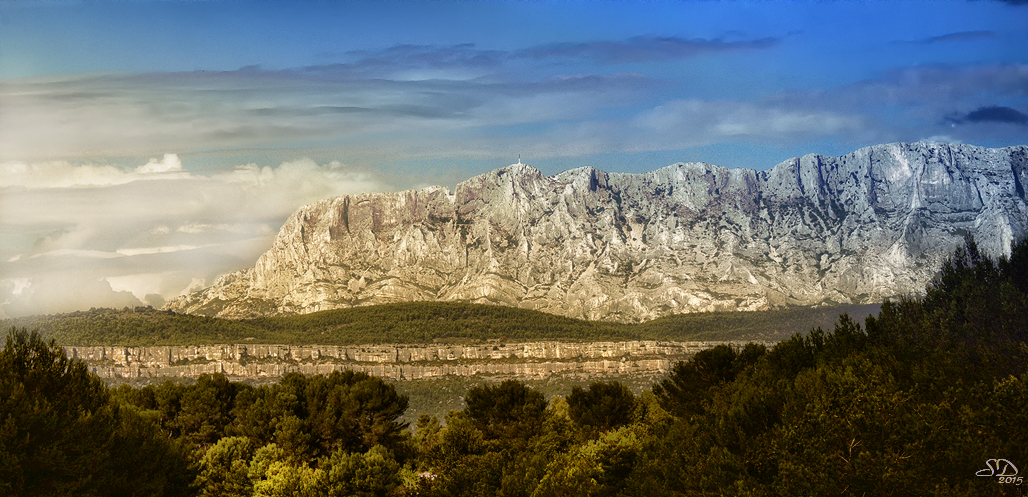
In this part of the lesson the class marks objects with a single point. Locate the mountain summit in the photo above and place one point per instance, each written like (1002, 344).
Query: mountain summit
(871, 224)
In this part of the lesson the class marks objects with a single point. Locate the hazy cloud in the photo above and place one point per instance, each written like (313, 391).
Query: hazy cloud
(332, 107)
(58, 174)
(79, 236)
(903, 105)
(694, 122)
(645, 49)
(466, 60)
(255, 108)
(420, 62)
(64, 293)
(62, 174)
(911, 103)
(925, 90)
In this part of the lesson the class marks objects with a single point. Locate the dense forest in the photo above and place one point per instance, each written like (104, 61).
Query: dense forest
(415, 322)
(928, 397)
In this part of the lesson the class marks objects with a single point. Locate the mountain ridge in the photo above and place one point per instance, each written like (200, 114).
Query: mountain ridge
(872, 224)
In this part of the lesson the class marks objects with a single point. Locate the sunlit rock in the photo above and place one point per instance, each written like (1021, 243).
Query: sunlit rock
(869, 225)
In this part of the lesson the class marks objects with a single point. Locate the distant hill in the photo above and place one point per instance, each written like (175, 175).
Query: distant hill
(418, 322)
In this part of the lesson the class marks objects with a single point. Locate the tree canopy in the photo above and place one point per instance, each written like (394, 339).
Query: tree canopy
(60, 433)
(414, 322)
(926, 398)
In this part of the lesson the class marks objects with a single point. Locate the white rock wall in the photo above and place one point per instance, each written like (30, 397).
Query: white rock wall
(869, 225)
(522, 360)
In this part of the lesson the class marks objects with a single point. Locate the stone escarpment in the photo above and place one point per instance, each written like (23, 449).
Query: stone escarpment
(869, 225)
(520, 360)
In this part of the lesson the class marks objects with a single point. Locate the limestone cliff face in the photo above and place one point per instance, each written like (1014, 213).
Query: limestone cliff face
(872, 224)
(531, 360)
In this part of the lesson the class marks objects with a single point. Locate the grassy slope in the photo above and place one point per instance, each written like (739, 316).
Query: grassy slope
(418, 322)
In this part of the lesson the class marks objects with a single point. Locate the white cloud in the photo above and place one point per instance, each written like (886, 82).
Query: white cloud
(147, 231)
(19, 285)
(170, 163)
(63, 174)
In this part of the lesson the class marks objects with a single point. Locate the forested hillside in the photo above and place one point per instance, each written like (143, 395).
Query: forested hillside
(415, 322)
(926, 398)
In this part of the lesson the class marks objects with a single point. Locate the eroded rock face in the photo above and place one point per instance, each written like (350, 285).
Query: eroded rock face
(869, 225)
(529, 360)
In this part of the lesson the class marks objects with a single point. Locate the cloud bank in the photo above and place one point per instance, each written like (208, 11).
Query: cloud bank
(414, 102)
(87, 235)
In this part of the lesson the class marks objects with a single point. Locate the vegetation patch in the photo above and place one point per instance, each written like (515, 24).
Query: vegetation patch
(417, 323)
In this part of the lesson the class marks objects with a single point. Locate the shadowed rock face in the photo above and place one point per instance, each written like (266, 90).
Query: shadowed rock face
(872, 224)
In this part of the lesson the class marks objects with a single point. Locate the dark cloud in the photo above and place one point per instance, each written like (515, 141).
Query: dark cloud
(393, 60)
(645, 49)
(994, 114)
(951, 37)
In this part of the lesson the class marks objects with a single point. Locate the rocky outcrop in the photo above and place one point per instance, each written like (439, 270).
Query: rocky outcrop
(521, 360)
(869, 225)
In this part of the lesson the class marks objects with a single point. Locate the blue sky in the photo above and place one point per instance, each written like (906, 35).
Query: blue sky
(147, 147)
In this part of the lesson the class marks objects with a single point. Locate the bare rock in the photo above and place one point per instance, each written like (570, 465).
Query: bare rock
(869, 225)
